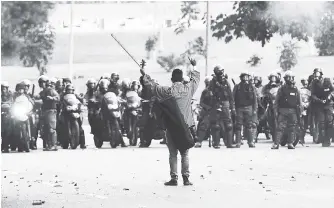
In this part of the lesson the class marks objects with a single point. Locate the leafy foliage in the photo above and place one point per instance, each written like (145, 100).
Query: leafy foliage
(189, 13)
(254, 20)
(170, 62)
(288, 57)
(254, 60)
(151, 44)
(25, 31)
(195, 47)
(324, 37)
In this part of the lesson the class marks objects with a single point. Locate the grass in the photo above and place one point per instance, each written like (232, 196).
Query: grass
(98, 53)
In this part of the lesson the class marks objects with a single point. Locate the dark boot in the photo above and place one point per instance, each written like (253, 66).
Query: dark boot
(5, 151)
(251, 135)
(275, 146)
(32, 145)
(186, 181)
(123, 143)
(215, 137)
(198, 145)
(172, 182)
(229, 139)
(238, 138)
(291, 139)
(277, 141)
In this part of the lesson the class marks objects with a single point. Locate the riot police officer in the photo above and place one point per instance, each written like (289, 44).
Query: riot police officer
(31, 122)
(223, 109)
(287, 107)
(245, 98)
(114, 85)
(305, 96)
(50, 99)
(6, 122)
(206, 103)
(90, 100)
(319, 96)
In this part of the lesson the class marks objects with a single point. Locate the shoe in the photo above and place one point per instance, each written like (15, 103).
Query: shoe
(231, 146)
(83, 147)
(124, 145)
(54, 148)
(327, 144)
(186, 181)
(216, 147)
(5, 151)
(198, 145)
(172, 182)
(275, 146)
(46, 149)
(251, 145)
(290, 146)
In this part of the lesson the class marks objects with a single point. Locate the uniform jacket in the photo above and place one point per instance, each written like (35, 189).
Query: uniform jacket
(280, 95)
(221, 91)
(251, 93)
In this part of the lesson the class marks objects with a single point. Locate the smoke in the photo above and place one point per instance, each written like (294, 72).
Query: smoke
(309, 13)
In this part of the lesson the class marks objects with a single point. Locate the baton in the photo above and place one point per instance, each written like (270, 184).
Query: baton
(125, 49)
(233, 81)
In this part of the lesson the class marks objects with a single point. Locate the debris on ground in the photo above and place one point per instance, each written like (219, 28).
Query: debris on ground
(260, 182)
(57, 185)
(126, 189)
(38, 202)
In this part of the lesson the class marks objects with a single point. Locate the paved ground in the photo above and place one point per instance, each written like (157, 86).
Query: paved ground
(134, 177)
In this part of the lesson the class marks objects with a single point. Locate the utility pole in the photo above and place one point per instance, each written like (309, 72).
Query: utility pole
(71, 43)
(207, 38)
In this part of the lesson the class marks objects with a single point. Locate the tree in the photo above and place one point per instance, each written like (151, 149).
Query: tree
(252, 19)
(195, 47)
(254, 60)
(190, 13)
(150, 45)
(25, 31)
(288, 57)
(324, 37)
(170, 62)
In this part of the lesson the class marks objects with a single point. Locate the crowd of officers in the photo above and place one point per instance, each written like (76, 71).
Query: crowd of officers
(279, 109)
(48, 115)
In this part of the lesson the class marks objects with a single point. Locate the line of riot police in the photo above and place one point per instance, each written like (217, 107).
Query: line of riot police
(278, 109)
(115, 109)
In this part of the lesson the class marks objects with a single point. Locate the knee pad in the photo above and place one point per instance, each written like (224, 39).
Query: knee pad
(229, 126)
(215, 127)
